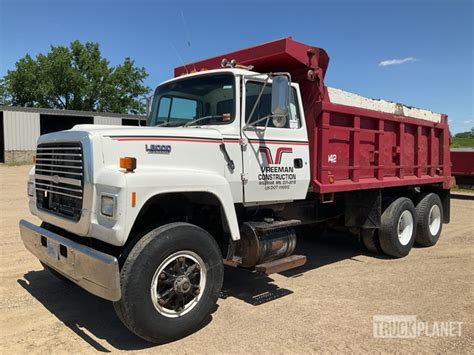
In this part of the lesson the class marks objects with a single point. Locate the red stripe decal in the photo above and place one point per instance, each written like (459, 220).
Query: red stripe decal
(168, 140)
(204, 140)
(278, 142)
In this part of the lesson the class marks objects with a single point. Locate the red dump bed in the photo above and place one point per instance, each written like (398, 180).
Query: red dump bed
(351, 147)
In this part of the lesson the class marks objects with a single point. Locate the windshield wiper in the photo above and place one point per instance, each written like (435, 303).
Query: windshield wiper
(171, 123)
(168, 123)
(202, 119)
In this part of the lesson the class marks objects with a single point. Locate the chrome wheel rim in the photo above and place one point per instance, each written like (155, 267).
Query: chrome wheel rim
(434, 219)
(178, 284)
(405, 227)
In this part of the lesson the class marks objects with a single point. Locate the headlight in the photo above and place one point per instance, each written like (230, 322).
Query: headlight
(31, 188)
(107, 205)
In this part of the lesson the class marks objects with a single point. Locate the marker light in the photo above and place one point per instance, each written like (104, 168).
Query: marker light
(128, 163)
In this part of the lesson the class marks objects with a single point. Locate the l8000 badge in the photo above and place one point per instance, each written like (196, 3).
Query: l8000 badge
(157, 148)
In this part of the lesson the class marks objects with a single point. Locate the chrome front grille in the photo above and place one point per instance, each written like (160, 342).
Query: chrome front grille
(59, 178)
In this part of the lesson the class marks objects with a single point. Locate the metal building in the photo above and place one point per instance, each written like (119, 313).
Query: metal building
(20, 127)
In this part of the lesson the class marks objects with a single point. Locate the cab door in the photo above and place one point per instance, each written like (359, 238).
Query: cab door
(275, 160)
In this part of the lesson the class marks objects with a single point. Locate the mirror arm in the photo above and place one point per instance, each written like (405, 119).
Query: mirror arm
(267, 117)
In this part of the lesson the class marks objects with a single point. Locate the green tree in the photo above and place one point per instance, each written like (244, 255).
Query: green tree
(75, 78)
(463, 135)
(4, 100)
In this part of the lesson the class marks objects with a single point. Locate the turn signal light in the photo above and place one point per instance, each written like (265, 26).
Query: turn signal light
(128, 163)
(134, 199)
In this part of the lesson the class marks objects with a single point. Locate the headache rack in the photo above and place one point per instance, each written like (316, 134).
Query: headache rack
(59, 179)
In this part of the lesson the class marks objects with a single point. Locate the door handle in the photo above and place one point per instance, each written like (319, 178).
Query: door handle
(298, 163)
(230, 162)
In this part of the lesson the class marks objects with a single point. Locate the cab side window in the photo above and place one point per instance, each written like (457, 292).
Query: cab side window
(252, 90)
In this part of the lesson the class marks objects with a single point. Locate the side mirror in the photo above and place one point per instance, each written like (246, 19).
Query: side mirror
(280, 95)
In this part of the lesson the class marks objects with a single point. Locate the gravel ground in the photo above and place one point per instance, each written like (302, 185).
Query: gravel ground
(326, 306)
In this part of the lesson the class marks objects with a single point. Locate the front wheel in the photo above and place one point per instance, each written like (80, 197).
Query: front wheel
(170, 282)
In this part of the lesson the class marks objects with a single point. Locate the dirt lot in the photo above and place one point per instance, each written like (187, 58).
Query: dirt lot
(327, 305)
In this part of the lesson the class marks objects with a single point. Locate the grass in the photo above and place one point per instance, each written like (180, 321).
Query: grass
(462, 190)
(457, 142)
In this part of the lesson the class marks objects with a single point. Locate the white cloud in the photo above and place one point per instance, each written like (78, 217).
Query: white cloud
(468, 121)
(388, 62)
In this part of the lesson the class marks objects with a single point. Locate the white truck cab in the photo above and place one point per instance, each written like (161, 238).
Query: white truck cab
(219, 144)
(220, 155)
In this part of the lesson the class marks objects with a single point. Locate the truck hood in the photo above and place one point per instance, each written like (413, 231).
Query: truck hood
(192, 149)
(151, 132)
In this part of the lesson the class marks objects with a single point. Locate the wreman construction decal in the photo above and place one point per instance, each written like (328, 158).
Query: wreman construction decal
(273, 174)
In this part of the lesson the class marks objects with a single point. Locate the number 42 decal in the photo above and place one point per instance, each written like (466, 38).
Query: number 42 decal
(332, 158)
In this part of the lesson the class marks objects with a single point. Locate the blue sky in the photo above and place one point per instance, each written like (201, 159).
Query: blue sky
(432, 38)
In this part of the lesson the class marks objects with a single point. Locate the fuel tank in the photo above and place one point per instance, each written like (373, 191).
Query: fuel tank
(266, 241)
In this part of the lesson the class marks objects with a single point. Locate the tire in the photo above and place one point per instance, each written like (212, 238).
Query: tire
(370, 240)
(153, 271)
(429, 214)
(56, 274)
(119, 312)
(399, 214)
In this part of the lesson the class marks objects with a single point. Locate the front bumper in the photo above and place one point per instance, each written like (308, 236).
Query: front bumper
(92, 270)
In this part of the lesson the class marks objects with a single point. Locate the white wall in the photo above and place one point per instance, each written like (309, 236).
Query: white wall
(21, 130)
(115, 121)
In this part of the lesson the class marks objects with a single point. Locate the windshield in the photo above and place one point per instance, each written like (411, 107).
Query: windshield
(210, 98)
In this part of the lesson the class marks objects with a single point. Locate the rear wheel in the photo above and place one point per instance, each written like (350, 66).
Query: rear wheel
(370, 240)
(429, 213)
(398, 228)
(170, 282)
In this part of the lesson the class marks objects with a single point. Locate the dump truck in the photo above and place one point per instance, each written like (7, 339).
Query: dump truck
(240, 151)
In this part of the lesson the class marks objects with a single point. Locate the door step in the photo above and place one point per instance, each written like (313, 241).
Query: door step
(279, 265)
